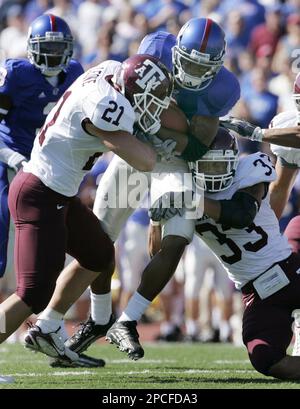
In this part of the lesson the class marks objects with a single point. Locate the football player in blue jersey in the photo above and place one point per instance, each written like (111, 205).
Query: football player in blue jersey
(205, 91)
(29, 88)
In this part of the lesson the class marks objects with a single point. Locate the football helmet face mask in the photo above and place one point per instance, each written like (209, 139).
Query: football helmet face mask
(49, 44)
(296, 94)
(214, 172)
(148, 85)
(198, 54)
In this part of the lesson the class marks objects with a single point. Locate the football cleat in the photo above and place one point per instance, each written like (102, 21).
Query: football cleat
(88, 333)
(50, 344)
(124, 334)
(84, 361)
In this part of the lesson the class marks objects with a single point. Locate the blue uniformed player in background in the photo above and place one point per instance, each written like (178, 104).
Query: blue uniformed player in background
(204, 89)
(28, 91)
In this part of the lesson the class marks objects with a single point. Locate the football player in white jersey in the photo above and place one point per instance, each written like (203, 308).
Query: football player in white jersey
(96, 114)
(288, 159)
(242, 230)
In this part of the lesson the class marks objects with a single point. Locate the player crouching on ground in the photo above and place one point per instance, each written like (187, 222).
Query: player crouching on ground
(242, 230)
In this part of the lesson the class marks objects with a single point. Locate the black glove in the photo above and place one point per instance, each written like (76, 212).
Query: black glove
(141, 135)
(243, 128)
(167, 206)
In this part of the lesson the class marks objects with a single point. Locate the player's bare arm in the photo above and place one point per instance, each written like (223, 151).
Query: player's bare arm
(138, 154)
(204, 128)
(283, 136)
(278, 136)
(281, 188)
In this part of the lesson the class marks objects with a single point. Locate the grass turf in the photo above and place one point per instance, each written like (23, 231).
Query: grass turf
(165, 366)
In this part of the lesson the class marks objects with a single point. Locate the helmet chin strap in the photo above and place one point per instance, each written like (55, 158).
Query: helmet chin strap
(51, 73)
(198, 87)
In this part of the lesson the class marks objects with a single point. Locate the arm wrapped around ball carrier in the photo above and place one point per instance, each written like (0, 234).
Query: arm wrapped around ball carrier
(238, 212)
(194, 149)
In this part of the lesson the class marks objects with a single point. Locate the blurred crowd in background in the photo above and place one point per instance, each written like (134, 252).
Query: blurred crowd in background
(263, 50)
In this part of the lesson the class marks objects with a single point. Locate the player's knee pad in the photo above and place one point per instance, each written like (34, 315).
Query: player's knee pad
(38, 297)
(179, 226)
(263, 356)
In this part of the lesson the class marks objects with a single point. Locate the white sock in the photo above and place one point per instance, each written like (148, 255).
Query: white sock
(192, 327)
(166, 327)
(135, 308)
(225, 331)
(50, 320)
(101, 308)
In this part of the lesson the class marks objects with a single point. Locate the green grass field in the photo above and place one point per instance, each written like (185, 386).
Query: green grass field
(165, 366)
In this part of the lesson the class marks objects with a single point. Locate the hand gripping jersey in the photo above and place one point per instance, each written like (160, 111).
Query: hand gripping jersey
(32, 99)
(290, 156)
(247, 253)
(216, 100)
(63, 152)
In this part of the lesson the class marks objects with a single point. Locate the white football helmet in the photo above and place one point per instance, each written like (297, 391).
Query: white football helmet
(214, 172)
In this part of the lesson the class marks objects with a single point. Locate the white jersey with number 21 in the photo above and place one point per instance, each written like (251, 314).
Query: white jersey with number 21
(63, 151)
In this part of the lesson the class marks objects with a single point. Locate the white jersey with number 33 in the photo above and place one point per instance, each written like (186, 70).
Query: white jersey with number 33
(247, 253)
(63, 151)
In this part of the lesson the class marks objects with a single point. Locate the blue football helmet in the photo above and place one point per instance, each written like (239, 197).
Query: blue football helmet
(49, 44)
(199, 53)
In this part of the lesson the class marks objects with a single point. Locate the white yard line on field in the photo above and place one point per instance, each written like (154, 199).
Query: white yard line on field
(145, 371)
(232, 362)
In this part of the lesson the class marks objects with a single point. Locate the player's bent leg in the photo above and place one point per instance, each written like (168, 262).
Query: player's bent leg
(13, 311)
(96, 255)
(176, 235)
(288, 368)
(155, 276)
(70, 285)
(111, 203)
(80, 223)
(267, 334)
(162, 267)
